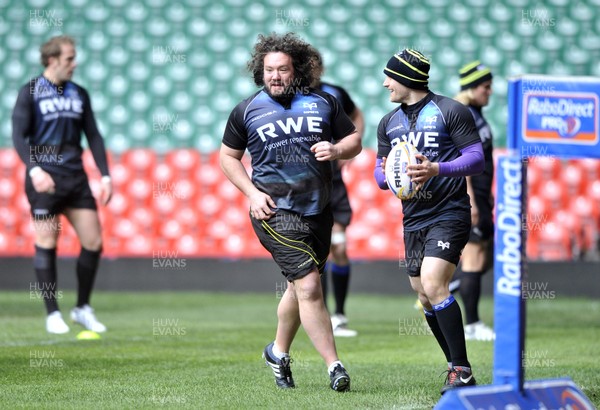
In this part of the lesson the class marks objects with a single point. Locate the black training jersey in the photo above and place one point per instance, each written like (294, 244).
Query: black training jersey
(482, 183)
(348, 106)
(438, 127)
(341, 95)
(47, 125)
(279, 138)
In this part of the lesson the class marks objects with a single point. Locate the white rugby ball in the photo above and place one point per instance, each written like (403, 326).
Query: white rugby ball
(402, 155)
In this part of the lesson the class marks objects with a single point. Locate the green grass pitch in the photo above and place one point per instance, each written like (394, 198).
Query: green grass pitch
(202, 350)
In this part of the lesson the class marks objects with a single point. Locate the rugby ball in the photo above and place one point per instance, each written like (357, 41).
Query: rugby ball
(401, 156)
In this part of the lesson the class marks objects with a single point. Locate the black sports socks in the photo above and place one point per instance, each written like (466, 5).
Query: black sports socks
(87, 266)
(44, 263)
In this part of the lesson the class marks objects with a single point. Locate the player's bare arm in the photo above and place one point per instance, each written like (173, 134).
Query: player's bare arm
(358, 120)
(261, 204)
(474, 208)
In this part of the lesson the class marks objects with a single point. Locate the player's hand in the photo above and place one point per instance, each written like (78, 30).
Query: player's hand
(106, 191)
(43, 182)
(325, 151)
(261, 206)
(421, 173)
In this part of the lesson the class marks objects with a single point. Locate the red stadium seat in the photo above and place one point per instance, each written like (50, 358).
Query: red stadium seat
(144, 219)
(6, 240)
(237, 217)
(247, 163)
(140, 161)
(171, 230)
(254, 248)
(554, 193)
(537, 211)
(593, 191)
(234, 245)
(588, 212)
(112, 246)
(9, 218)
(586, 208)
(379, 246)
(209, 205)
(230, 194)
(572, 178)
(185, 190)
(15, 245)
(209, 176)
(349, 173)
(120, 175)
(364, 162)
(572, 224)
(376, 218)
(10, 163)
(183, 161)
(189, 245)
(533, 180)
(591, 168)
(358, 233)
(189, 219)
(398, 239)
(214, 158)
(364, 193)
(22, 205)
(123, 228)
(164, 206)
(140, 191)
(163, 174)
(138, 245)
(8, 190)
(25, 228)
(549, 167)
(393, 209)
(551, 243)
(219, 229)
(19, 178)
(118, 205)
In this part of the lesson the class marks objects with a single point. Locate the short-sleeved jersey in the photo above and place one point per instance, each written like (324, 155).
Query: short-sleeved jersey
(52, 119)
(482, 184)
(348, 106)
(438, 127)
(279, 138)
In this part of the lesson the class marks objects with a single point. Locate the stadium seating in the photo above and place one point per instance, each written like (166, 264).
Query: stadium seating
(163, 77)
(550, 242)
(10, 163)
(140, 58)
(182, 201)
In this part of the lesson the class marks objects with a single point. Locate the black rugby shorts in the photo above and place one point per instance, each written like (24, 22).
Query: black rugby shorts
(70, 192)
(298, 244)
(444, 240)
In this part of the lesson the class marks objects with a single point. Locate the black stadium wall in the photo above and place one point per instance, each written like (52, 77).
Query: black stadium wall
(569, 279)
